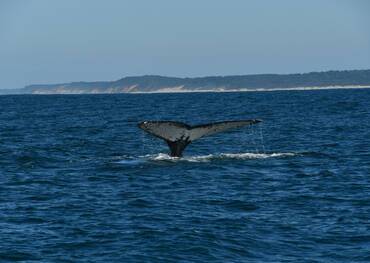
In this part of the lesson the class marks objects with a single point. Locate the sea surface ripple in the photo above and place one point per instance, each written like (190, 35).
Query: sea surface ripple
(79, 182)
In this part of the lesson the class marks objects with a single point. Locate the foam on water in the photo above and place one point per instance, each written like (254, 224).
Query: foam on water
(203, 158)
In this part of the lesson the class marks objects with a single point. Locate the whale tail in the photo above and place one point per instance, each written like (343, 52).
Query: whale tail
(178, 135)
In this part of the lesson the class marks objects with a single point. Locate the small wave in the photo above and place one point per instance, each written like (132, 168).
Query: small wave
(131, 161)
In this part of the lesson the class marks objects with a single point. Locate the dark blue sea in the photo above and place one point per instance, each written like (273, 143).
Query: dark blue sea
(79, 182)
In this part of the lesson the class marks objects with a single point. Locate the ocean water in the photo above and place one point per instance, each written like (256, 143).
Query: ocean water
(79, 182)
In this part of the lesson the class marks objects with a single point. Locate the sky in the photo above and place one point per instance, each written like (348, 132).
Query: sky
(53, 41)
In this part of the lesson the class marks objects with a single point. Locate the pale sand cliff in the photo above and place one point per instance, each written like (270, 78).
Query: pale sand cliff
(179, 90)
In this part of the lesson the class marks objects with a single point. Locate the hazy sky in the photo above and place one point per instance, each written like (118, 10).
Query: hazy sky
(50, 41)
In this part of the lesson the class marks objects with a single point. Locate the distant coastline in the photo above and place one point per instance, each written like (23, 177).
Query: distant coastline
(253, 90)
(349, 79)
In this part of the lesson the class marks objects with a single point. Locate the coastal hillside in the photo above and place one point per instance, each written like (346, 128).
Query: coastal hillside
(152, 83)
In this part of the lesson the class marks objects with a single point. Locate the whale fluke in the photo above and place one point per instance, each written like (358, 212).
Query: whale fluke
(178, 135)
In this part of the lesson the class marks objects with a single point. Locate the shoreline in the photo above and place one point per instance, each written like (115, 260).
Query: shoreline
(247, 90)
(177, 90)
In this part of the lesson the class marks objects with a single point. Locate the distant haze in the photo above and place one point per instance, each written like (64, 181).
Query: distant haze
(49, 41)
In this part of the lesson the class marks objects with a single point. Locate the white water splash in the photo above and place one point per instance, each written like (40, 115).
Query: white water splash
(255, 155)
(210, 157)
(202, 158)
